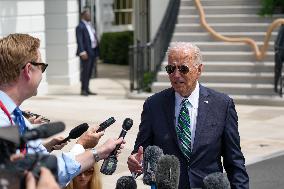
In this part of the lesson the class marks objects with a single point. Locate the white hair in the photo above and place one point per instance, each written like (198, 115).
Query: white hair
(189, 49)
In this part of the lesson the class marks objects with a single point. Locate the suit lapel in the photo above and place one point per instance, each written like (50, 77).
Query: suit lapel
(203, 107)
(169, 109)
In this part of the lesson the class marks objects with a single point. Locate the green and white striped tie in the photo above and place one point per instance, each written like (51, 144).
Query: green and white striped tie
(183, 129)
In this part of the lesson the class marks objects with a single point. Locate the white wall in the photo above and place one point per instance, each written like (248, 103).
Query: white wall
(157, 11)
(25, 17)
(61, 20)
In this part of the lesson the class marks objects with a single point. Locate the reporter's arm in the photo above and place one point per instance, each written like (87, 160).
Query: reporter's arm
(87, 158)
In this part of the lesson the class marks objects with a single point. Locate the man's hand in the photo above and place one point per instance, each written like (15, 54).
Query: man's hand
(134, 161)
(84, 56)
(90, 138)
(46, 180)
(54, 144)
(105, 149)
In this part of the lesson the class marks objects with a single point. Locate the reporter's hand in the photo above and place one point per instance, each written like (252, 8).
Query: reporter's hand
(46, 180)
(134, 161)
(54, 144)
(105, 149)
(37, 120)
(90, 138)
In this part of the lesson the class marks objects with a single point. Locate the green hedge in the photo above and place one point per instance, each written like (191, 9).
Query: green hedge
(114, 47)
(268, 7)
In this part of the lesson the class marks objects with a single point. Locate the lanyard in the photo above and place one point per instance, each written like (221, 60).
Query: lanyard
(6, 112)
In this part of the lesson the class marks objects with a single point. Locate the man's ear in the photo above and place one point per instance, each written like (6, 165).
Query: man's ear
(26, 72)
(200, 68)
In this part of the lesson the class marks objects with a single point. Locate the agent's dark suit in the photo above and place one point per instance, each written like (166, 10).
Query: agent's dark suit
(84, 44)
(216, 135)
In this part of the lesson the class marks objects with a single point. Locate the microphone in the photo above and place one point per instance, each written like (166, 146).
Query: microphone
(168, 172)
(43, 131)
(216, 180)
(106, 124)
(76, 132)
(151, 157)
(109, 165)
(126, 182)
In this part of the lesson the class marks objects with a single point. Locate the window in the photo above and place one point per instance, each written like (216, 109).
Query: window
(123, 12)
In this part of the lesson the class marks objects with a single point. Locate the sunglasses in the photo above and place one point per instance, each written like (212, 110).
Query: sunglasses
(42, 65)
(182, 69)
(87, 173)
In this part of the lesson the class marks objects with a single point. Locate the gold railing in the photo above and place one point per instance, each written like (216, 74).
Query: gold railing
(259, 52)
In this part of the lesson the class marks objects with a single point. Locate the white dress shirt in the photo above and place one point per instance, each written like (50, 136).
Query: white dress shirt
(192, 109)
(92, 33)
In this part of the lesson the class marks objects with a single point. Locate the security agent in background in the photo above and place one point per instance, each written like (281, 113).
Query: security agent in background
(21, 69)
(196, 124)
(88, 50)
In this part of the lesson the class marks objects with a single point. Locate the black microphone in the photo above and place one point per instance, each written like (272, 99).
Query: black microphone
(168, 172)
(126, 182)
(106, 124)
(76, 132)
(109, 165)
(151, 157)
(216, 180)
(43, 131)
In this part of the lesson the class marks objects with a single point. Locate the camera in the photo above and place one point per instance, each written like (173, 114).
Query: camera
(12, 174)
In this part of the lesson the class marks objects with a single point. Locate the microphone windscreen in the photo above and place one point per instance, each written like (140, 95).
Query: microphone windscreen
(127, 124)
(168, 171)
(126, 182)
(49, 129)
(78, 131)
(151, 157)
(216, 180)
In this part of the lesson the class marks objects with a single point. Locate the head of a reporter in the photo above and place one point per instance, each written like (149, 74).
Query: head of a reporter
(21, 66)
(89, 179)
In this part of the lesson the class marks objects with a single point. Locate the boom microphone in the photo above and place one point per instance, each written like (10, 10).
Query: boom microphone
(105, 124)
(126, 182)
(43, 131)
(216, 180)
(151, 157)
(76, 132)
(109, 165)
(168, 172)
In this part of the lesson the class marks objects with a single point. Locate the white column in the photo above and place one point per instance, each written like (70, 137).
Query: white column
(25, 17)
(61, 20)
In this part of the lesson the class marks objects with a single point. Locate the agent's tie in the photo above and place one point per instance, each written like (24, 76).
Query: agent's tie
(19, 120)
(183, 129)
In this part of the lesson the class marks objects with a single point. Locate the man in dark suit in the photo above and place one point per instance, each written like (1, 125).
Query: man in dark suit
(88, 50)
(196, 124)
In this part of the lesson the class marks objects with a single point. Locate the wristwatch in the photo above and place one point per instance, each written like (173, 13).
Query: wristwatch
(95, 154)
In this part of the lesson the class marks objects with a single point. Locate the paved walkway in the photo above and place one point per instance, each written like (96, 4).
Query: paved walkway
(261, 128)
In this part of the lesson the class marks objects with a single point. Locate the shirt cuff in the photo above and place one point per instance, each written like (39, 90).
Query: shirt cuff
(68, 168)
(77, 149)
(82, 53)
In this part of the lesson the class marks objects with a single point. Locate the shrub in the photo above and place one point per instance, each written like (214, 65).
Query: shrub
(270, 6)
(114, 47)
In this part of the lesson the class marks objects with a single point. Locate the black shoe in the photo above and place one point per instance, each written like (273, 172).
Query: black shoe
(84, 93)
(91, 93)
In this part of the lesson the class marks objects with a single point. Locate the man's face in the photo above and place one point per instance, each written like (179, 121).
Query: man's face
(36, 76)
(182, 82)
(87, 16)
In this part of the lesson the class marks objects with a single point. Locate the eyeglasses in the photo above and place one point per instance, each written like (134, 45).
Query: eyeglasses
(87, 173)
(182, 69)
(42, 65)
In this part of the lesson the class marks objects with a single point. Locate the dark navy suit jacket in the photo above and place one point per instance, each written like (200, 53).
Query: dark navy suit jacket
(216, 136)
(84, 41)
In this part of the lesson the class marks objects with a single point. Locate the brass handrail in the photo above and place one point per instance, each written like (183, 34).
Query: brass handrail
(259, 52)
